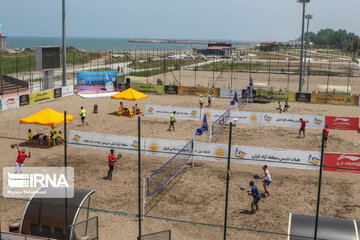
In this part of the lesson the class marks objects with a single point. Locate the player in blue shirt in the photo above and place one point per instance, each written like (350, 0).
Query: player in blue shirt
(256, 195)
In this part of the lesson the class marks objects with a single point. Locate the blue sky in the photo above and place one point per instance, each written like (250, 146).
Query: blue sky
(254, 20)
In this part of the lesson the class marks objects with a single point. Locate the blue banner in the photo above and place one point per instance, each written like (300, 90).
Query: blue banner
(97, 78)
(0, 104)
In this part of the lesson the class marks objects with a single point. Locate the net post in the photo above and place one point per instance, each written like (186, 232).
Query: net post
(144, 197)
(192, 152)
(319, 184)
(227, 182)
(210, 131)
(139, 177)
(67, 237)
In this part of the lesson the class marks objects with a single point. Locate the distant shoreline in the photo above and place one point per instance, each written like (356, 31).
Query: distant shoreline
(141, 40)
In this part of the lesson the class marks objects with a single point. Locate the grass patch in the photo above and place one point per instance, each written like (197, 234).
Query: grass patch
(173, 63)
(25, 61)
(149, 72)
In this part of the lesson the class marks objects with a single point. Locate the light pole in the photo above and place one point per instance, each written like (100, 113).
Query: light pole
(308, 17)
(303, 2)
(63, 44)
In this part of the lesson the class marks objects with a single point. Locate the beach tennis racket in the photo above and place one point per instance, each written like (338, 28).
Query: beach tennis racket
(118, 157)
(256, 176)
(12, 146)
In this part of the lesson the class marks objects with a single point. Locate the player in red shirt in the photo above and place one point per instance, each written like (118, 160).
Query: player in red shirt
(326, 134)
(20, 159)
(302, 128)
(112, 159)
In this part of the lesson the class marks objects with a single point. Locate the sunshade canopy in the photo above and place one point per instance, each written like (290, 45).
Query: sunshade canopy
(47, 117)
(129, 94)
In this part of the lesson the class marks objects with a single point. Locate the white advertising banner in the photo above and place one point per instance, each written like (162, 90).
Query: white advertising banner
(162, 147)
(10, 103)
(214, 114)
(245, 117)
(103, 141)
(272, 119)
(202, 150)
(67, 91)
(158, 111)
(230, 93)
(186, 113)
(276, 157)
(291, 120)
(165, 111)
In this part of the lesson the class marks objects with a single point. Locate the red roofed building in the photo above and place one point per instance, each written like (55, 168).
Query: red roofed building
(217, 49)
(269, 46)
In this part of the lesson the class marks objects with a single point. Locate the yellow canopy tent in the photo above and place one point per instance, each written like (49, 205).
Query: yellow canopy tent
(129, 94)
(47, 117)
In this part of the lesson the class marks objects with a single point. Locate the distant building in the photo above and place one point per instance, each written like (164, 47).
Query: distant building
(294, 42)
(269, 46)
(217, 49)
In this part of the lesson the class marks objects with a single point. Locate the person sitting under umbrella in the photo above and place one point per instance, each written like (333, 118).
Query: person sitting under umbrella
(124, 108)
(57, 137)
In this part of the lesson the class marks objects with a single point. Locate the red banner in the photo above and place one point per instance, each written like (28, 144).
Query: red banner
(336, 161)
(342, 123)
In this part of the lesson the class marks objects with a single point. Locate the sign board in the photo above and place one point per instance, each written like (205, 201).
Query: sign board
(67, 91)
(215, 92)
(342, 123)
(171, 89)
(291, 120)
(203, 151)
(230, 93)
(342, 162)
(165, 111)
(334, 99)
(47, 57)
(41, 96)
(96, 82)
(57, 92)
(24, 100)
(303, 97)
(272, 119)
(10, 103)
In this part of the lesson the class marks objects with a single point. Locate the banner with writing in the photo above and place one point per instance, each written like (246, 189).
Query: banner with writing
(291, 120)
(342, 123)
(342, 162)
(334, 99)
(230, 93)
(202, 150)
(41, 96)
(272, 119)
(215, 92)
(67, 91)
(104, 142)
(10, 103)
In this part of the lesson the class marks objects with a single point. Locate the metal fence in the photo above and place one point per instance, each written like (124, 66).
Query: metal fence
(172, 67)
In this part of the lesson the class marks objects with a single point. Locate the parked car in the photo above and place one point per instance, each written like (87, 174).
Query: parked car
(200, 56)
(189, 56)
(238, 58)
(212, 56)
(172, 56)
(225, 56)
